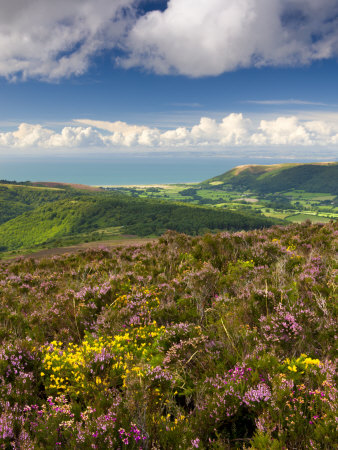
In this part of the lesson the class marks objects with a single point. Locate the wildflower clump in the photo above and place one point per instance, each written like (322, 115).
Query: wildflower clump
(301, 364)
(98, 362)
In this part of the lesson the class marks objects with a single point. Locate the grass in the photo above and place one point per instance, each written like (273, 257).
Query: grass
(104, 234)
(96, 245)
(11, 186)
(315, 211)
(310, 195)
(299, 218)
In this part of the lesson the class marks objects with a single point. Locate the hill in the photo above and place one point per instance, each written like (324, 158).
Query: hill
(32, 217)
(15, 199)
(53, 184)
(313, 177)
(220, 341)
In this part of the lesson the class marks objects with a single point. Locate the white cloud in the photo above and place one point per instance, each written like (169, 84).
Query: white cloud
(51, 39)
(74, 137)
(209, 37)
(233, 131)
(179, 135)
(36, 136)
(27, 135)
(54, 39)
(123, 133)
(283, 131)
(149, 138)
(205, 131)
(114, 127)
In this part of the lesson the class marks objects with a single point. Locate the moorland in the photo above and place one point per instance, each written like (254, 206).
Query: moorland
(223, 341)
(217, 335)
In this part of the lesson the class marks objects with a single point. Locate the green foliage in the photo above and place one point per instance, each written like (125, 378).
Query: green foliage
(188, 192)
(46, 217)
(17, 199)
(281, 177)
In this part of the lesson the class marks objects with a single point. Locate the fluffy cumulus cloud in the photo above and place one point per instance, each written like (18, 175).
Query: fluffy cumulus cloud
(26, 135)
(208, 37)
(282, 131)
(36, 136)
(54, 39)
(51, 40)
(233, 131)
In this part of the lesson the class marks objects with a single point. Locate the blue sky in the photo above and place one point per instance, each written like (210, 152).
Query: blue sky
(169, 76)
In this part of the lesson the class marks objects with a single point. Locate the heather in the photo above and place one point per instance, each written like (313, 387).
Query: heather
(219, 341)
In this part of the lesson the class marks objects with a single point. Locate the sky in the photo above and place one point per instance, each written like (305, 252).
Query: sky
(197, 77)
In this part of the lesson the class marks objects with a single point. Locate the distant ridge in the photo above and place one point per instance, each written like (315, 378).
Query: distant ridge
(53, 184)
(310, 177)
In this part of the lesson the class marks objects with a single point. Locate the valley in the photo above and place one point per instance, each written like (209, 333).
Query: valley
(259, 189)
(38, 216)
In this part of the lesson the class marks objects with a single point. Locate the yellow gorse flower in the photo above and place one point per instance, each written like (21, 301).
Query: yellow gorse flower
(68, 369)
(302, 363)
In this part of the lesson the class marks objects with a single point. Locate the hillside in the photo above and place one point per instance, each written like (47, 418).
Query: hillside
(32, 217)
(291, 192)
(15, 199)
(220, 341)
(314, 177)
(51, 184)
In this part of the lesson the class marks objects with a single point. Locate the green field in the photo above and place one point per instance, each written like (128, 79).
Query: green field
(299, 218)
(294, 205)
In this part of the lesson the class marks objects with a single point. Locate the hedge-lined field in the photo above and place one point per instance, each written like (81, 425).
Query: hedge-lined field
(221, 341)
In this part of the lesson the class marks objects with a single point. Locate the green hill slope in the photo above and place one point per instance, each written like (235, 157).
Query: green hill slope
(314, 177)
(15, 199)
(50, 217)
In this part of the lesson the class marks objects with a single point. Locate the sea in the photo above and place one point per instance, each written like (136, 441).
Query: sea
(122, 170)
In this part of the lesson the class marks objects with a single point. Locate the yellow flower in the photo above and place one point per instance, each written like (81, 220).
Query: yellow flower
(310, 361)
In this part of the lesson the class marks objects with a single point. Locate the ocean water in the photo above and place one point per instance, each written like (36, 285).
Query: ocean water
(122, 170)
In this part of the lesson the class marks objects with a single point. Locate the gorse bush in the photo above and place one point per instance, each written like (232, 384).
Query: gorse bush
(219, 341)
